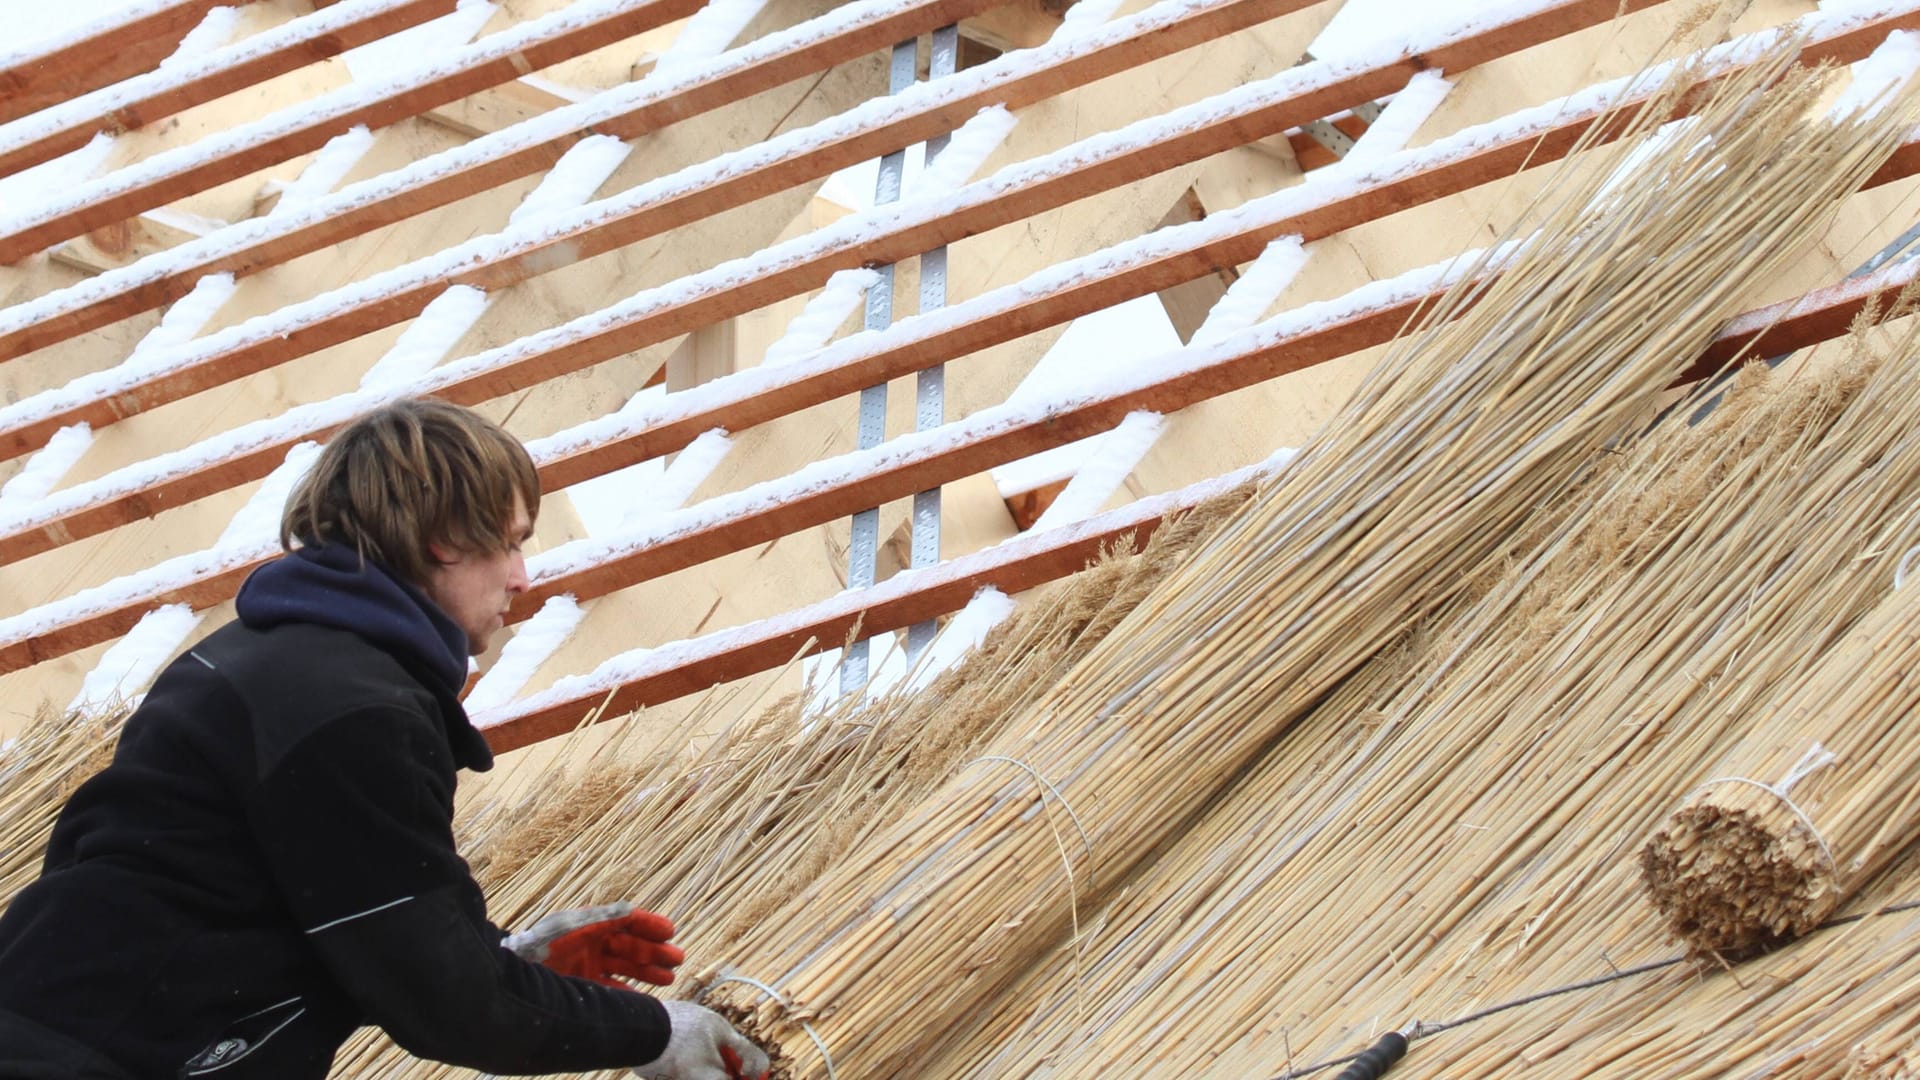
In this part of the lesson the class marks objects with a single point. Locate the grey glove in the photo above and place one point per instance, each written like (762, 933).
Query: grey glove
(704, 1047)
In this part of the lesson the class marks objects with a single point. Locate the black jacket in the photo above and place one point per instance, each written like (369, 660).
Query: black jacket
(269, 863)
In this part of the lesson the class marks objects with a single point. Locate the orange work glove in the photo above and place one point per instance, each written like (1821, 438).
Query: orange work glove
(599, 943)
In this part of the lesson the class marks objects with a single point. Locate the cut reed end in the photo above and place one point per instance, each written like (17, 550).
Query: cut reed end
(1736, 870)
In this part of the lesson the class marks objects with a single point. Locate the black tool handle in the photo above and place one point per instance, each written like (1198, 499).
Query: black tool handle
(1378, 1059)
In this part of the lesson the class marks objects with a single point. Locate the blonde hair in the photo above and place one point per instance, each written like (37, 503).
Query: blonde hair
(410, 473)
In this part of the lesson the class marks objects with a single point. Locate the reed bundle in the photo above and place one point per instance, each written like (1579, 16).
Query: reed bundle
(1445, 449)
(1822, 793)
(723, 831)
(51, 758)
(1450, 829)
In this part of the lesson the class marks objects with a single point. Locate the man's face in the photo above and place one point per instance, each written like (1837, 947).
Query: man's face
(475, 587)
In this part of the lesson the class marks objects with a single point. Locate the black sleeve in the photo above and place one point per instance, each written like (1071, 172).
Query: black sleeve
(356, 824)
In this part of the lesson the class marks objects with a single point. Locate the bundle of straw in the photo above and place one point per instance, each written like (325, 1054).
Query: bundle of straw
(1746, 859)
(724, 831)
(57, 752)
(1445, 449)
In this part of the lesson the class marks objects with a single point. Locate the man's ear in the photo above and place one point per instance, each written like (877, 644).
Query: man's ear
(444, 554)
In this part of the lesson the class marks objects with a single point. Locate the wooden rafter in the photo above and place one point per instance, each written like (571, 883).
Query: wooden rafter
(975, 209)
(489, 66)
(102, 58)
(985, 326)
(885, 134)
(1816, 317)
(162, 94)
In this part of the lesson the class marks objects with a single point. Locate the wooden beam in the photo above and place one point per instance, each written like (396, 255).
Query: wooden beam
(890, 358)
(765, 645)
(163, 93)
(976, 209)
(308, 130)
(102, 58)
(805, 56)
(897, 474)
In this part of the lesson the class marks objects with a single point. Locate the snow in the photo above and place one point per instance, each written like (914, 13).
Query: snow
(326, 170)
(532, 643)
(601, 502)
(130, 664)
(215, 30)
(1398, 122)
(705, 36)
(41, 28)
(45, 469)
(1110, 459)
(184, 320)
(573, 179)
(1876, 78)
(964, 633)
(29, 188)
(640, 663)
(428, 339)
(1369, 27)
(968, 147)
(1254, 292)
(398, 56)
(1086, 16)
(258, 521)
(679, 480)
(824, 314)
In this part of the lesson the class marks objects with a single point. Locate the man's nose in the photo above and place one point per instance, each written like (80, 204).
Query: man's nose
(517, 580)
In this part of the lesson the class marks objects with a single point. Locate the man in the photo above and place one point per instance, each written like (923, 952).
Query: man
(269, 863)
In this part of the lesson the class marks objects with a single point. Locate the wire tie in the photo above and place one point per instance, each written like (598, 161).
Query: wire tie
(1047, 786)
(728, 975)
(1816, 758)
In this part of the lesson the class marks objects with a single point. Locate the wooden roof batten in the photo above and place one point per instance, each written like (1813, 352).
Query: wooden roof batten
(1231, 238)
(496, 59)
(729, 655)
(105, 54)
(980, 206)
(887, 472)
(804, 50)
(159, 94)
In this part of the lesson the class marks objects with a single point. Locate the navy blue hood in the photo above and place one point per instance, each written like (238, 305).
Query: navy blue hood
(331, 585)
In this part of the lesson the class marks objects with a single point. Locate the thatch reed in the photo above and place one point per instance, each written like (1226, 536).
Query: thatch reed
(757, 803)
(56, 753)
(1443, 453)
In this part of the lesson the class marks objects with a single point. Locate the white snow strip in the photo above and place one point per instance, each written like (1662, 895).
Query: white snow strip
(689, 469)
(1106, 468)
(601, 502)
(130, 664)
(29, 189)
(428, 339)
(326, 170)
(197, 224)
(39, 29)
(185, 319)
(573, 179)
(706, 35)
(1087, 16)
(258, 521)
(46, 468)
(824, 313)
(131, 588)
(642, 663)
(1876, 78)
(963, 633)
(1363, 27)
(1398, 122)
(1254, 292)
(532, 643)
(215, 30)
(981, 135)
(102, 103)
(416, 49)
